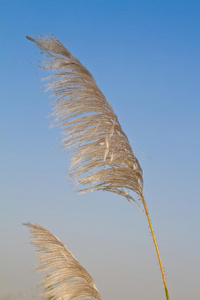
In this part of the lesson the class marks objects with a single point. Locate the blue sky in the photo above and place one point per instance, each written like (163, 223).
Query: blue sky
(145, 57)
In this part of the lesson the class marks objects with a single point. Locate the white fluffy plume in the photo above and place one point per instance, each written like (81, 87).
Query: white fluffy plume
(65, 278)
(103, 158)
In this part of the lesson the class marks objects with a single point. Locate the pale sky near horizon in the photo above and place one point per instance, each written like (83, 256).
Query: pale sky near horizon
(145, 57)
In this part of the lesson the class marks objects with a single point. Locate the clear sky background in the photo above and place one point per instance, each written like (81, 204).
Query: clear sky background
(145, 57)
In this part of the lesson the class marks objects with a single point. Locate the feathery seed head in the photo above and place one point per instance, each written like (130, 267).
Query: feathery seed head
(103, 158)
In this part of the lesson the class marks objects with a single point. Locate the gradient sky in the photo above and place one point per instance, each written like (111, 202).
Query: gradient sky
(145, 57)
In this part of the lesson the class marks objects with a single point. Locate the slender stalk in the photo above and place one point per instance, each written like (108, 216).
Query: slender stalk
(155, 243)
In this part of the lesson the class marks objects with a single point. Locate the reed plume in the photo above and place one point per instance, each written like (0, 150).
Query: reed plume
(65, 278)
(103, 158)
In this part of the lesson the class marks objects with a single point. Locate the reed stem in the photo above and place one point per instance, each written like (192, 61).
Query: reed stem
(155, 243)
